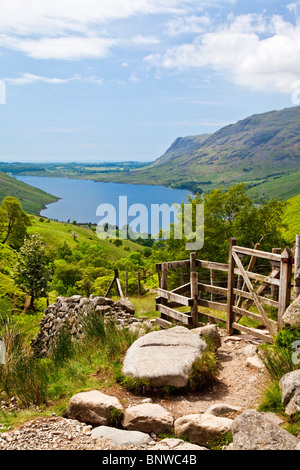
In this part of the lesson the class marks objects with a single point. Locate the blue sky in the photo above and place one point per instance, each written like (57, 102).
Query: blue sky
(116, 80)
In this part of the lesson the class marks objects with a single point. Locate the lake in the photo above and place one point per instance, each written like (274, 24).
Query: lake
(79, 200)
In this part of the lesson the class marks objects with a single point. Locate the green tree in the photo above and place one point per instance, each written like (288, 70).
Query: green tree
(13, 222)
(232, 213)
(32, 273)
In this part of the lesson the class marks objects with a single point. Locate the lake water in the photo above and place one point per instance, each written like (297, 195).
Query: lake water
(79, 200)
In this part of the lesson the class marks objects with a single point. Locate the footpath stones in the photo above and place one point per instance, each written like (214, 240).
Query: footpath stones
(176, 445)
(201, 428)
(149, 418)
(211, 333)
(120, 437)
(255, 431)
(93, 408)
(164, 357)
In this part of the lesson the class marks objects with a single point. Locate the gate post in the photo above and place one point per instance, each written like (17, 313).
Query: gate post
(194, 288)
(285, 285)
(230, 286)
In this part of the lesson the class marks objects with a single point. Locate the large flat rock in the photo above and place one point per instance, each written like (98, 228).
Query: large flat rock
(120, 437)
(165, 357)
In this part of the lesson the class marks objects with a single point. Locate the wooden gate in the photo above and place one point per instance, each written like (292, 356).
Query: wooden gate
(239, 295)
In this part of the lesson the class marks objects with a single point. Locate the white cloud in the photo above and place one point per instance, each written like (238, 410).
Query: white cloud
(187, 24)
(28, 78)
(251, 51)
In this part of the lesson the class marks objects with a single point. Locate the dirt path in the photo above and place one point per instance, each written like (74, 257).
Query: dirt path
(238, 385)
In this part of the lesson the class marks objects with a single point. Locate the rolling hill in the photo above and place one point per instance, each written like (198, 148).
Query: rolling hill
(262, 150)
(33, 200)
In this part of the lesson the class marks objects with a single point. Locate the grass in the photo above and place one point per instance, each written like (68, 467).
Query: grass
(33, 200)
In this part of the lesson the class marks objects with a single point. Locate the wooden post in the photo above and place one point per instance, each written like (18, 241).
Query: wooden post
(126, 283)
(212, 283)
(285, 285)
(139, 284)
(275, 289)
(164, 285)
(193, 261)
(194, 296)
(230, 287)
(297, 268)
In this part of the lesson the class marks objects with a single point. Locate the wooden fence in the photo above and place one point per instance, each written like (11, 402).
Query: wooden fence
(244, 289)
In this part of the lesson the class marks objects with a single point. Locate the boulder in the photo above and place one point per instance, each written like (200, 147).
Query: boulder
(290, 387)
(254, 431)
(176, 445)
(211, 332)
(164, 357)
(201, 428)
(126, 305)
(120, 437)
(291, 316)
(93, 408)
(148, 418)
(221, 409)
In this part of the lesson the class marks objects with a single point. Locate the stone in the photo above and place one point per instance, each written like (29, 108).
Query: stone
(201, 428)
(289, 383)
(294, 404)
(291, 317)
(221, 409)
(254, 431)
(93, 407)
(126, 305)
(255, 362)
(249, 350)
(120, 437)
(176, 444)
(164, 357)
(148, 417)
(211, 332)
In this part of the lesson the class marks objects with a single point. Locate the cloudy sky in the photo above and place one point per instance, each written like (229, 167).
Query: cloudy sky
(112, 80)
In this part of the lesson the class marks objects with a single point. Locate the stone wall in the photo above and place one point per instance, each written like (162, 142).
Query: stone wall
(69, 312)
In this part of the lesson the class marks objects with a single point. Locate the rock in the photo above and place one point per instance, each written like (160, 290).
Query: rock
(211, 332)
(120, 437)
(294, 404)
(255, 362)
(201, 428)
(291, 316)
(289, 384)
(176, 444)
(164, 357)
(93, 408)
(249, 350)
(221, 409)
(126, 305)
(254, 431)
(148, 418)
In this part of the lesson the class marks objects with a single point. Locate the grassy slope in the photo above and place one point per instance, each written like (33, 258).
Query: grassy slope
(292, 219)
(33, 200)
(53, 233)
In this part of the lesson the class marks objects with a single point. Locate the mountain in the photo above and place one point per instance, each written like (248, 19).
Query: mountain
(262, 150)
(33, 200)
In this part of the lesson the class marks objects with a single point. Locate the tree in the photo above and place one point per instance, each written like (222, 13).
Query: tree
(13, 222)
(32, 273)
(232, 213)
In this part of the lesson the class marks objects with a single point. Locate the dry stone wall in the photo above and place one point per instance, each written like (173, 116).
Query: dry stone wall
(69, 312)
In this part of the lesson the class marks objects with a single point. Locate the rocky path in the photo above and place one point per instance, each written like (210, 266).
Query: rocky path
(239, 384)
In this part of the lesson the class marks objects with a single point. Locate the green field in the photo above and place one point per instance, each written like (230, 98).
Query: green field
(33, 200)
(292, 219)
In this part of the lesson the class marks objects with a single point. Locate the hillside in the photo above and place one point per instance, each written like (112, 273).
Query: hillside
(262, 150)
(33, 200)
(292, 219)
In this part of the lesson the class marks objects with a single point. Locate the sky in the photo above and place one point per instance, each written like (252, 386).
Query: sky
(120, 80)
